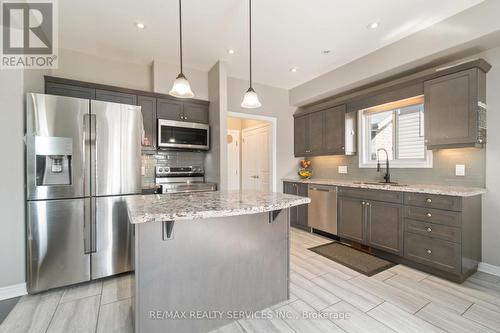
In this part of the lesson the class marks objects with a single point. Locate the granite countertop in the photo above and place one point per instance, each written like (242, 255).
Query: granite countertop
(202, 205)
(459, 191)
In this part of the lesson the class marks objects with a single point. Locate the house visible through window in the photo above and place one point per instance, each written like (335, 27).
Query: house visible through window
(398, 128)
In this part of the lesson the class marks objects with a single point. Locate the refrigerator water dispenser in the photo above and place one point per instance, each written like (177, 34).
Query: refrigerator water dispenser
(53, 160)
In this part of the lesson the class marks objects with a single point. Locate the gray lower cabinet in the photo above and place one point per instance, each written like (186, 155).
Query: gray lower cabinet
(115, 97)
(452, 114)
(298, 214)
(385, 226)
(374, 223)
(351, 219)
(148, 108)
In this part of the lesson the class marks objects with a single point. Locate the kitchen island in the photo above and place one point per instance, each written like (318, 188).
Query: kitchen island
(203, 260)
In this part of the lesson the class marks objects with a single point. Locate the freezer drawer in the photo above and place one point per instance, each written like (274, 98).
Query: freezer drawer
(113, 237)
(56, 243)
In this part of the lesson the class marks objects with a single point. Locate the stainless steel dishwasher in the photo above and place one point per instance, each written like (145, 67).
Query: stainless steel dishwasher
(322, 213)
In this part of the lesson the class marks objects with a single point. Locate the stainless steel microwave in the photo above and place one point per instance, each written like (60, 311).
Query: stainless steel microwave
(183, 135)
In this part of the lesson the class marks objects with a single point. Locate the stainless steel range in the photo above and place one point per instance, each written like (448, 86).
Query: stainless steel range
(182, 179)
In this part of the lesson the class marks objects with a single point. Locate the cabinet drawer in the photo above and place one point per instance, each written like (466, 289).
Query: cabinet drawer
(378, 195)
(431, 215)
(433, 252)
(434, 201)
(446, 233)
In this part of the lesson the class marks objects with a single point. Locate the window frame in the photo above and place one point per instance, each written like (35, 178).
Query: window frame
(366, 162)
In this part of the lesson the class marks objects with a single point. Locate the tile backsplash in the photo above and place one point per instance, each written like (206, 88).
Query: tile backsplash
(442, 172)
(167, 158)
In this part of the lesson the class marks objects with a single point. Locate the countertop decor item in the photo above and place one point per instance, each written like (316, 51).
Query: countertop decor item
(305, 171)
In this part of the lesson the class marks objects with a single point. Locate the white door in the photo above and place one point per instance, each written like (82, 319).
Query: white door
(233, 159)
(256, 158)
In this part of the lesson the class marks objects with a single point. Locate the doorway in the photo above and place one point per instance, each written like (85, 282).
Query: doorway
(251, 152)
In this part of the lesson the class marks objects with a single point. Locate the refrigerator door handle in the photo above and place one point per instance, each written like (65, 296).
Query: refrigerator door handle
(87, 154)
(94, 226)
(87, 228)
(93, 154)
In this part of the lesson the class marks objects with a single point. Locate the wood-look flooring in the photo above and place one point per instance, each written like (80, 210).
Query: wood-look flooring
(325, 297)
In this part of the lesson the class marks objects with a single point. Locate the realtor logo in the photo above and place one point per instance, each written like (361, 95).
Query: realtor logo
(29, 38)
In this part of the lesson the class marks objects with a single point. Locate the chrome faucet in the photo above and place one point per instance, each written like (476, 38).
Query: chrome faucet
(387, 176)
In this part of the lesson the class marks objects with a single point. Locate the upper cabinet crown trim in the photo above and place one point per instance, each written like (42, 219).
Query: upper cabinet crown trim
(85, 84)
(401, 80)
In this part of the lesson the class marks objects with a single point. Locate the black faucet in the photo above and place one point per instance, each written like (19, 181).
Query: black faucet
(387, 176)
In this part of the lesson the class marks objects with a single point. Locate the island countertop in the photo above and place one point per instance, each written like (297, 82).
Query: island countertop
(459, 191)
(203, 205)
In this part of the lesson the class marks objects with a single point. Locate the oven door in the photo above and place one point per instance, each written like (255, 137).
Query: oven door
(178, 134)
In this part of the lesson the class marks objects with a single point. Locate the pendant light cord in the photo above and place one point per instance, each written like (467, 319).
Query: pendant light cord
(250, 35)
(180, 31)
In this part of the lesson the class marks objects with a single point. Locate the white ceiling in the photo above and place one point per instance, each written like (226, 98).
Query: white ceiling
(286, 33)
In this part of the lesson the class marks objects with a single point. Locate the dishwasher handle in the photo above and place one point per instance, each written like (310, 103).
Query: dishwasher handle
(323, 189)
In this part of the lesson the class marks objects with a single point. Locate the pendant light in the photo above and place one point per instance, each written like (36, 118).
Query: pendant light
(181, 87)
(250, 99)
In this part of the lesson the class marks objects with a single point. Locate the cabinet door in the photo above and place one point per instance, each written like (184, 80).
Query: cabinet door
(52, 88)
(301, 136)
(115, 97)
(351, 219)
(291, 188)
(316, 126)
(302, 210)
(450, 110)
(385, 226)
(196, 113)
(169, 110)
(334, 130)
(148, 108)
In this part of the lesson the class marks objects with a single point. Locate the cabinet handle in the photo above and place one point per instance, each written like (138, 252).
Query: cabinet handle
(428, 251)
(363, 203)
(368, 204)
(429, 215)
(429, 229)
(343, 148)
(429, 200)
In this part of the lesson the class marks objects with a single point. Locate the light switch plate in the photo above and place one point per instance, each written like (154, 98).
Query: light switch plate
(143, 171)
(342, 168)
(460, 170)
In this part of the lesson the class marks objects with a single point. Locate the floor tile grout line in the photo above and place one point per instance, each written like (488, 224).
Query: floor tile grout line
(99, 308)
(470, 306)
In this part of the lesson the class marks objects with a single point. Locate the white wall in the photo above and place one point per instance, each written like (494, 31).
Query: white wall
(12, 240)
(491, 200)
(275, 103)
(464, 32)
(164, 75)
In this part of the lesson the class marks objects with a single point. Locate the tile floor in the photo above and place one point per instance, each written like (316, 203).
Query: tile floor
(400, 299)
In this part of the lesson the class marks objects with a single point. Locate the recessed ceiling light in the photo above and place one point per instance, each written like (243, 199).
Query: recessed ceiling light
(373, 25)
(293, 69)
(230, 51)
(140, 25)
(325, 52)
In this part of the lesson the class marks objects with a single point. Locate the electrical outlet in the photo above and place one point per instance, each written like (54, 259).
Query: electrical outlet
(342, 168)
(460, 170)
(143, 171)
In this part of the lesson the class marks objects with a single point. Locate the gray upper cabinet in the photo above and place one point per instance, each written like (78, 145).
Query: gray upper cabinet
(115, 97)
(53, 88)
(169, 110)
(196, 113)
(452, 114)
(334, 130)
(148, 108)
(321, 133)
(301, 140)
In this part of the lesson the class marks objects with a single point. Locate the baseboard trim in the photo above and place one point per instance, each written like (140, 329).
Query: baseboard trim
(488, 268)
(15, 290)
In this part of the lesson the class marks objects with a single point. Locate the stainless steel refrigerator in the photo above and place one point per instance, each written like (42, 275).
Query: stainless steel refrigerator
(82, 158)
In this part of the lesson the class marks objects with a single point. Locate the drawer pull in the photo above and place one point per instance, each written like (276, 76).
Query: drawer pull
(429, 200)
(428, 251)
(363, 203)
(429, 215)
(368, 204)
(429, 229)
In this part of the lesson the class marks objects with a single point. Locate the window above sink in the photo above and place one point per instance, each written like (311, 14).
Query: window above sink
(397, 127)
